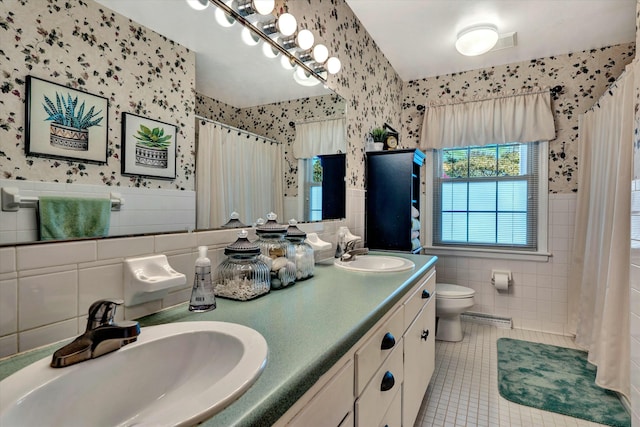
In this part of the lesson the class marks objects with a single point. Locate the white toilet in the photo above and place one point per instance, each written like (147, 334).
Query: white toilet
(451, 301)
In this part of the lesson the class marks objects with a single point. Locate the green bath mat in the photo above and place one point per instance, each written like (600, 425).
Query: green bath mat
(556, 379)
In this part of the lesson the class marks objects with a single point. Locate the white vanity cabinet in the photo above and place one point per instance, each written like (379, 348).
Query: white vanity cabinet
(419, 348)
(381, 381)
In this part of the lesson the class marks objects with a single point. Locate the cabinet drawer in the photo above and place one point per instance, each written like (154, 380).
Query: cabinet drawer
(414, 303)
(377, 396)
(376, 349)
(393, 417)
(332, 403)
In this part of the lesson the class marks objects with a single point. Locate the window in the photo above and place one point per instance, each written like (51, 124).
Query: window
(487, 197)
(313, 189)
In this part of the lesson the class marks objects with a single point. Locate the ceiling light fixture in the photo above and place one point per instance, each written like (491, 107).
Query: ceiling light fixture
(476, 40)
(198, 4)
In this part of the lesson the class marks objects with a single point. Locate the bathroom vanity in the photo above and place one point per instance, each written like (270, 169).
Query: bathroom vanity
(344, 348)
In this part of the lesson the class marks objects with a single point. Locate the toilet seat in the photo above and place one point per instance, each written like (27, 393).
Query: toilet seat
(449, 291)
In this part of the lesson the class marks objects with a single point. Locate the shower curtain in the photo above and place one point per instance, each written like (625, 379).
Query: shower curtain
(236, 171)
(599, 277)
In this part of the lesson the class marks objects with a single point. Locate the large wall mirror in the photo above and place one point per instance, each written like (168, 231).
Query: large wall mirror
(245, 92)
(236, 85)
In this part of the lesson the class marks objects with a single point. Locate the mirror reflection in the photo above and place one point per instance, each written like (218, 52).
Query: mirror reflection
(246, 92)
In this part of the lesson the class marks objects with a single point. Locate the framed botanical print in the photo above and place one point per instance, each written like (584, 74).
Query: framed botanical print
(65, 123)
(148, 147)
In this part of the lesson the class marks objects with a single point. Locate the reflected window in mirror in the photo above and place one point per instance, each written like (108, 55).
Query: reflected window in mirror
(313, 189)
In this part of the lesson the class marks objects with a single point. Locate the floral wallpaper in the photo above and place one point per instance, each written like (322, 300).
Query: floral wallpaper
(577, 81)
(82, 45)
(276, 121)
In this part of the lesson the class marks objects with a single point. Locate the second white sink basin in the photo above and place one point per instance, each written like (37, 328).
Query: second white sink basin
(175, 374)
(376, 264)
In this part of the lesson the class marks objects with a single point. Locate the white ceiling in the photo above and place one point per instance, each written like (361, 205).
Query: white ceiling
(418, 36)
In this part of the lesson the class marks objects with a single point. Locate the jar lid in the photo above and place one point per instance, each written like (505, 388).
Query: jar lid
(242, 246)
(234, 221)
(271, 226)
(294, 231)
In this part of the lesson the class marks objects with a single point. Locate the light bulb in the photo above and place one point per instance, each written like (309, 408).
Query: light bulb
(320, 53)
(223, 19)
(198, 4)
(248, 37)
(333, 65)
(304, 39)
(287, 24)
(269, 51)
(264, 7)
(302, 77)
(286, 63)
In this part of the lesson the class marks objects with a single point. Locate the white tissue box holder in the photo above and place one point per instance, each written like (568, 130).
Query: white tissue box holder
(149, 278)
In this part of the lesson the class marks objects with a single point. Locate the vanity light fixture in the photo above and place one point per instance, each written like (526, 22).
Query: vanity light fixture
(287, 24)
(249, 7)
(249, 37)
(320, 53)
(333, 65)
(477, 39)
(222, 18)
(305, 39)
(286, 63)
(305, 55)
(198, 4)
(289, 43)
(269, 51)
(304, 78)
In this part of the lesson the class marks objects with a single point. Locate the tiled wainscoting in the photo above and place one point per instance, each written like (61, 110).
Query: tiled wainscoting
(46, 289)
(537, 298)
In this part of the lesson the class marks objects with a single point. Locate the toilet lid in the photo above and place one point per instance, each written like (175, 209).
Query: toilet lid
(447, 290)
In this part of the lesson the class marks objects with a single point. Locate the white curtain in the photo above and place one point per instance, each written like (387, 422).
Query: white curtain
(520, 117)
(320, 137)
(236, 171)
(599, 277)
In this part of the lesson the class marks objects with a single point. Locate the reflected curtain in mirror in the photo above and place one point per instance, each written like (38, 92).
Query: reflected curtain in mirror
(229, 161)
(313, 139)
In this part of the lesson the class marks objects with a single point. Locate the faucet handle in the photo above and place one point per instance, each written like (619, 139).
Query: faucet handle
(102, 312)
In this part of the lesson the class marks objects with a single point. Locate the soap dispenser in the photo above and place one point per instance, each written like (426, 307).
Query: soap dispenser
(202, 296)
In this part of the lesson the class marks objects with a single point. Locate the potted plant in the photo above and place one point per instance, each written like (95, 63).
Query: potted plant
(379, 135)
(70, 128)
(152, 147)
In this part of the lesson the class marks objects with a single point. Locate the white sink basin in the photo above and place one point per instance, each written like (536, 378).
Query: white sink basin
(175, 374)
(376, 264)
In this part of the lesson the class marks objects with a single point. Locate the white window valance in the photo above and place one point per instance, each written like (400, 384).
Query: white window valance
(522, 117)
(320, 137)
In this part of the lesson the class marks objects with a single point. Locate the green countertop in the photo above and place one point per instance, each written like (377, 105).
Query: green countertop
(308, 327)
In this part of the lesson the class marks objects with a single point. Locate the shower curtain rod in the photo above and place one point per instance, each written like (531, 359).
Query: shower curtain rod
(271, 140)
(323, 119)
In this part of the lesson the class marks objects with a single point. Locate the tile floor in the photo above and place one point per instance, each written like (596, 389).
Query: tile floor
(464, 387)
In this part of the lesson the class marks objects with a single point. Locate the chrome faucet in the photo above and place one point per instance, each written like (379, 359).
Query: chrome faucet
(350, 254)
(102, 335)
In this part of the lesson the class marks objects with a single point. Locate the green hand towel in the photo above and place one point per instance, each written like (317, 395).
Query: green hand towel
(72, 217)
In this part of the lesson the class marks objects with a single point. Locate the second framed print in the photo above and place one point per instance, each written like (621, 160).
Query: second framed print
(65, 123)
(148, 147)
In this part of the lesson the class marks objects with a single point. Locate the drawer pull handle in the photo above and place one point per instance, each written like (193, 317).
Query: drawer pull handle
(424, 335)
(388, 341)
(425, 294)
(387, 381)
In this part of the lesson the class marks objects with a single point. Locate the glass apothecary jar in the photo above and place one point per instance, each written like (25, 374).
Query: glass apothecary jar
(276, 252)
(242, 276)
(303, 252)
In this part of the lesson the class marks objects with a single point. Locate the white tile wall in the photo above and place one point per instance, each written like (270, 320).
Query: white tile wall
(145, 210)
(538, 297)
(46, 289)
